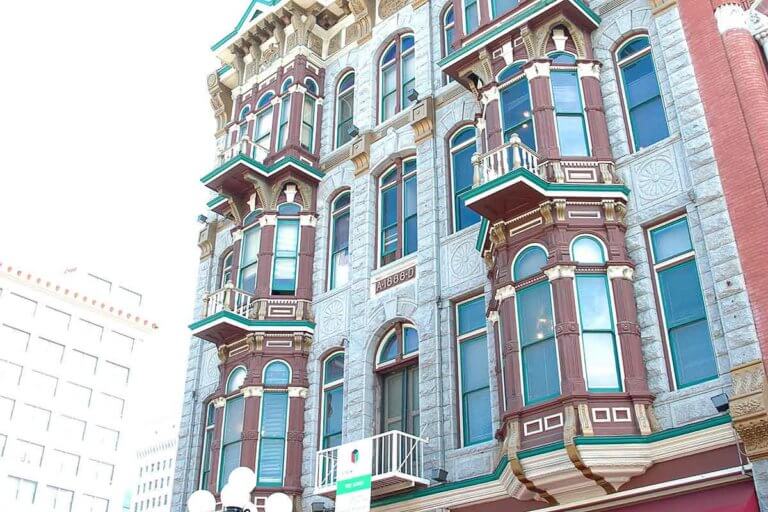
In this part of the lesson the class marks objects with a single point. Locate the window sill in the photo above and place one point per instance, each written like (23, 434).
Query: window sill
(395, 266)
(669, 141)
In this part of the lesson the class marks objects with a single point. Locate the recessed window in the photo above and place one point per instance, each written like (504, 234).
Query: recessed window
(345, 108)
(683, 314)
(397, 76)
(462, 146)
(474, 381)
(285, 114)
(339, 247)
(231, 438)
(398, 235)
(587, 250)
(226, 270)
(236, 379)
(277, 373)
(332, 414)
(249, 258)
(273, 424)
(242, 119)
(642, 95)
(397, 365)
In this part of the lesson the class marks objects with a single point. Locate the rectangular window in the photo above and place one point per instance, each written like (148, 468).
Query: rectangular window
(541, 376)
(3, 441)
(516, 113)
(99, 472)
(408, 70)
(601, 360)
(263, 134)
(18, 307)
(285, 116)
(569, 112)
(21, 491)
(69, 429)
(308, 123)
(90, 503)
(39, 385)
(389, 226)
(59, 500)
(410, 228)
(36, 419)
(210, 423)
(6, 408)
(114, 372)
(684, 317)
(104, 438)
(75, 396)
(274, 420)
(85, 363)
(109, 407)
(26, 453)
(88, 332)
(286, 257)
(62, 463)
(340, 250)
(471, 16)
(249, 262)
(55, 322)
(502, 6)
(345, 117)
(231, 441)
(474, 379)
(120, 342)
(388, 91)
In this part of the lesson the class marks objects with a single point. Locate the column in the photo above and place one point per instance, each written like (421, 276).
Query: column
(307, 225)
(218, 404)
(589, 75)
(567, 329)
(266, 254)
(510, 346)
(252, 415)
(493, 123)
(543, 107)
(295, 437)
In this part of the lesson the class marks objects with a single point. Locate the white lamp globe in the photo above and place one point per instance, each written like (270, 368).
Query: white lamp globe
(244, 479)
(279, 502)
(201, 501)
(231, 496)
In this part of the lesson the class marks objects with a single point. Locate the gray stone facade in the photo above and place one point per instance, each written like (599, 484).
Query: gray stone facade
(675, 175)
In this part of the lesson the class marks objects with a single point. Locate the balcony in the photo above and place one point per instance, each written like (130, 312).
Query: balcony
(397, 465)
(513, 178)
(230, 314)
(236, 161)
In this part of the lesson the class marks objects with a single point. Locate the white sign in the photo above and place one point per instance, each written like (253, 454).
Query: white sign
(353, 477)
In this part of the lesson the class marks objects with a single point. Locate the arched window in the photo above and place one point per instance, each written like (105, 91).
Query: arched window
(397, 364)
(471, 16)
(515, 105)
(474, 381)
(249, 255)
(210, 424)
(569, 108)
(243, 120)
(285, 113)
(273, 425)
(226, 270)
(398, 234)
(449, 31)
(500, 7)
(286, 257)
(308, 115)
(538, 349)
(339, 246)
(332, 409)
(345, 108)
(598, 337)
(262, 136)
(397, 76)
(642, 96)
(232, 429)
(462, 146)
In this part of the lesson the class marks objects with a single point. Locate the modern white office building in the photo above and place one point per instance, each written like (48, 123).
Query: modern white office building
(156, 462)
(67, 350)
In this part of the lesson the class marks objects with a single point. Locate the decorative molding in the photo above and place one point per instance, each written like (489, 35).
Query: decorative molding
(749, 408)
(584, 421)
(560, 271)
(659, 6)
(297, 392)
(219, 402)
(505, 293)
(537, 70)
(251, 391)
(422, 119)
(643, 422)
(620, 272)
(731, 17)
(389, 7)
(394, 279)
(360, 152)
(589, 69)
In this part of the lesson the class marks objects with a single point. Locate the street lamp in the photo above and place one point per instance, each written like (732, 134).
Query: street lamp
(236, 496)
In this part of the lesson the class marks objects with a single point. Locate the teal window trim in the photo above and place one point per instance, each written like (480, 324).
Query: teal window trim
(210, 424)
(671, 263)
(496, 12)
(220, 480)
(475, 5)
(260, 480)
(622, 64)
(308, 114)
(393, 237)
(293, 256)
(507, 131)
(348, 93)
(458, 199)
(599, 243)
(328, 388)
(609, 330)
(263, 140)
(285, 116)
(384, 95)
(336, 216)
(479, 335)
(579, 115)
(244, 265)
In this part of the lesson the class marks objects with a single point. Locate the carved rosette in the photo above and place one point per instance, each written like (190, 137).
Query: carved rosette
(749, 408)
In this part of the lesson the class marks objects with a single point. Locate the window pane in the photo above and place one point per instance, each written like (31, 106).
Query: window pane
(565, 92)
(502, 6)
(463, 176)
(410, 197)
(540, 371)
(671, 240)
(474, 364)
(534, 306)
(411, 341)
(649, 125)
(274, 415)
(333, 414)
(471, 316)
(277, 374)
(411, 236)
(393, 401)
(640, 81)
(529, 263)
(588, 250)
(390, 349)
(471, 16)
(388, 80)
(388, 107)
(230, 460)
(594, 306)
(516, 106)
(248, 278)
(692, 353)
(681, 294)
(251, 243)
(334, 369)
(341, 232)
(389, 206)
(634, 47)
(477, 419)
(572, 135)
(287, 237)
(340, 269)
(271, 452)
(600, 360)
(233, 420)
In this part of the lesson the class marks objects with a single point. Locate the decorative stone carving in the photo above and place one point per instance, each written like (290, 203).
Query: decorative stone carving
(238, 63)
(659, 6)
(250, 435)
(206, 240)
(560, 271)
(251, 391)
(643, 422)
(333, 313)
(620, 272)
(422, 119)
(365, 17)
(389, 7)
(360, 151)
(302, 25)
(219, 402)
(749, 408)
(464, 262)
(585, 421)
(505, 293)
(297, 392)
(655, 180)
(221, 102)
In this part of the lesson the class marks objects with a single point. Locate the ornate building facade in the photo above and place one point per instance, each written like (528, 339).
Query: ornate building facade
(516, 241)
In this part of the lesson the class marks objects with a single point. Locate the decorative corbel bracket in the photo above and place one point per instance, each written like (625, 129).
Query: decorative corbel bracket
(422, 119)
(360, 152)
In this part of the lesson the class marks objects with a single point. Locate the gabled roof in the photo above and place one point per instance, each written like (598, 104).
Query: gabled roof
(251, 12)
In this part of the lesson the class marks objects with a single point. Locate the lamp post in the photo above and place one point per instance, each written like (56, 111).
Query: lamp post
(236, 496)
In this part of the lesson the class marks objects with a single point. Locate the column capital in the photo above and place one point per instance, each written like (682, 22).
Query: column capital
(308, 219)
(731, 17)
(589, 69)
(253, 391)
(490, 94)
(219, 402)
(620, 272)
(268, 220)
(505, 293)
(560, 271)
(537, 69)
(297, 392)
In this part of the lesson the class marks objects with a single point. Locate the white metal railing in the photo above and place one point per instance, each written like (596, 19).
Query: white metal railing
(243, 146)
(507, 157)
(395, 454)
(229, 298)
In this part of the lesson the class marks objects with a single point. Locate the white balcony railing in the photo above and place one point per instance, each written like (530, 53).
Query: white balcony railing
(231, 299)
(243, 146)
(398, 458)
(507, 157)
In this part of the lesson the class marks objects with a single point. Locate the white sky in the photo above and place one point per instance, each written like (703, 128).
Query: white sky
(105, 130)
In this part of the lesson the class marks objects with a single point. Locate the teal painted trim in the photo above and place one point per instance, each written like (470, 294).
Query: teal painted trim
(250, 323)
(277, 166)
(518, 19)
(218, 44)
(540, 450)
(482, 234)
(715, 421)
(223, 70)
(547, 186)
(213, 203)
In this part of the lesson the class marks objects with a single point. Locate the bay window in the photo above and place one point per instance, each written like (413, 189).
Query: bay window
(499, 7)
(474, 381)
(262, 132)
(242, 130)
(535, 321)
(462, 146)
(332, 408)
(642, 96)
(683, 314)
(210, 423)
(232, 429)
(274, 425)
(471, 16)
(285, 114)
(286, 250)
(339, 256)
(397, 76)
(308, 116)
(249, 259)
(516, 105)
(398, 234)
(569, 109)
